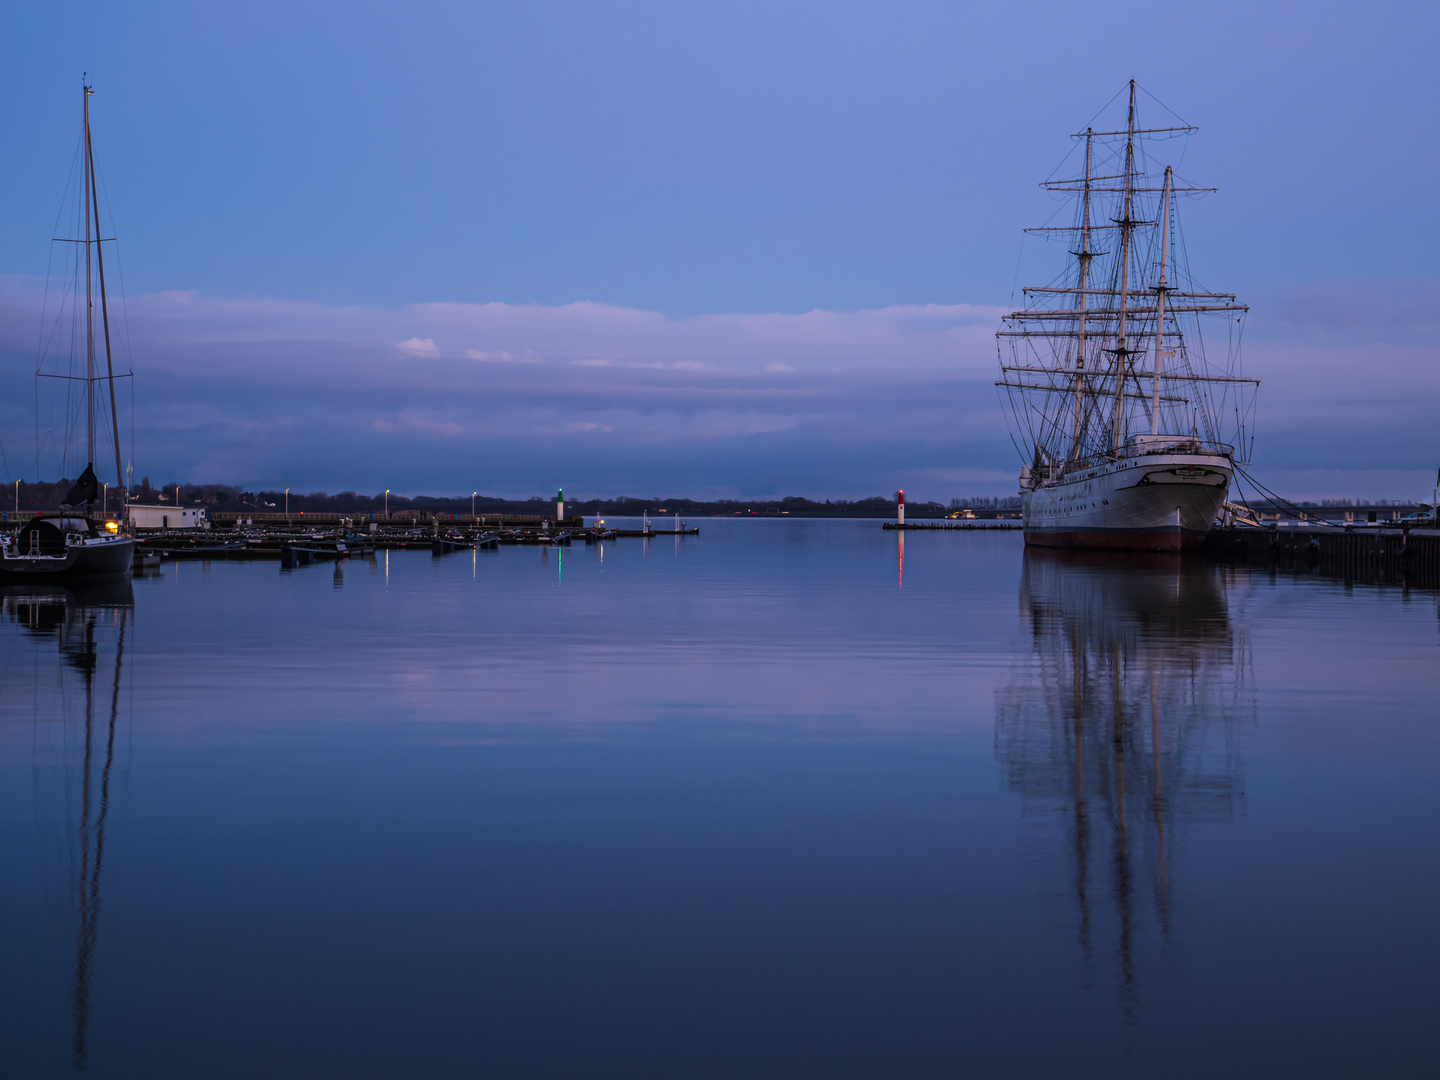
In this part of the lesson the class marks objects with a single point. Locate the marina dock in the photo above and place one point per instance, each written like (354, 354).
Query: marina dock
(951, 526)
(298, 541)
(1372, 553)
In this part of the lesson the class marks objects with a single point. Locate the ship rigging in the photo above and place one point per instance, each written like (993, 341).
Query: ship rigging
(1107, 371)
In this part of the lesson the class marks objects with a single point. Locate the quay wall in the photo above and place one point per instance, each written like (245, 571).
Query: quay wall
(1387, 555)
(407, 519)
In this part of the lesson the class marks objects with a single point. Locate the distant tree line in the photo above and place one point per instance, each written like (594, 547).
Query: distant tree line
(1360, 502)
(228, 498)
(220, 498)
(1003, 502)
(46, 495)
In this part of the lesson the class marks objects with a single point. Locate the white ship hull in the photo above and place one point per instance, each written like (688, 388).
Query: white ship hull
(1149, 502)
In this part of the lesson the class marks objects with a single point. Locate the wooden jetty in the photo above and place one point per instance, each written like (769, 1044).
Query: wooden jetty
(1379, 553)
(293, 555)
(440, 547)
(950, 526)
(296, 542)
(408, 519)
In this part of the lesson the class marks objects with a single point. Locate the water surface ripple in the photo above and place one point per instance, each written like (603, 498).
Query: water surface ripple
(790, 798)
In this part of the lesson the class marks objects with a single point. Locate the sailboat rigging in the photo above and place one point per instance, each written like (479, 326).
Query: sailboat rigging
(73, 542)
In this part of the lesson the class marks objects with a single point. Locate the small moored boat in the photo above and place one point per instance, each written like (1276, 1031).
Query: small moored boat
(57, 544)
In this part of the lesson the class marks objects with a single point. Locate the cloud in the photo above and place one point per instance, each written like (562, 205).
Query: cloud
(418, 346)
(721, 424)
(1363, 311)
(409, 422)
(826, 403)
(501, 356)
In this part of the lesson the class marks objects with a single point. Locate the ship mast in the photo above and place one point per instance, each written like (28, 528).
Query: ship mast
(1160, 291)
(1084, 255)
(1122, 354)
(1097, 415)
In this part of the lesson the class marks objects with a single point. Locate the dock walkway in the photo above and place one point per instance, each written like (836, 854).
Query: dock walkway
(951, 526)
(294, 543)
(1363, 552)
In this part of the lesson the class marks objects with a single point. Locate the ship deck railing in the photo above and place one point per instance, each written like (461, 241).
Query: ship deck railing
(1134, 450)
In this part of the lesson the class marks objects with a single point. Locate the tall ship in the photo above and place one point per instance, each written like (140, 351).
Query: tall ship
(75, 541)
(1123, 372)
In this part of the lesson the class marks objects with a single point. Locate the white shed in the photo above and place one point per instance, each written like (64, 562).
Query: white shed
(167, 517)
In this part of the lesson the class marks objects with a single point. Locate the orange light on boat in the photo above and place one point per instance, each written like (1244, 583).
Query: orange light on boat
(112, 526)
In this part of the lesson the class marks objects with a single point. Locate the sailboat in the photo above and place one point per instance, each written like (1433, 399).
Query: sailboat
(1117, 408)
(73, 542)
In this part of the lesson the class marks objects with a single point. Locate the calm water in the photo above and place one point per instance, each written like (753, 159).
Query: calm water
(741, 805)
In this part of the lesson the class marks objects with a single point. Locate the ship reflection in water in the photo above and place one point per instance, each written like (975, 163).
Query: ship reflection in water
(79, 696)
(1124, 729)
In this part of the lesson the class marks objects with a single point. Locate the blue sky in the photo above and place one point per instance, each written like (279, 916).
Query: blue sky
(599, 200)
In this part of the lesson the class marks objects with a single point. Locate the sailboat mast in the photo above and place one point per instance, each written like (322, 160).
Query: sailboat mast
(1084, 256)
(1160, 291)
(89, 306)
(1122, 353)
(104, 304)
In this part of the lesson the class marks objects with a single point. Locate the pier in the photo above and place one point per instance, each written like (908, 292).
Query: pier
(1382, 554)
(299, 540)
(950, 526)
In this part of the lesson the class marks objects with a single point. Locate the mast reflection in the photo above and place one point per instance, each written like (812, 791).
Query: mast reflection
(1125, 728)
(84, 621)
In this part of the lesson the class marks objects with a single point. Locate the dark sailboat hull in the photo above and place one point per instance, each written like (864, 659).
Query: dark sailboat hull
(104, 558)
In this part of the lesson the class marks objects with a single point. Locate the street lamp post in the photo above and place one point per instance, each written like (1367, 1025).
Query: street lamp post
(287, 504)
(387, 504)
(104, 497)
(472, 504)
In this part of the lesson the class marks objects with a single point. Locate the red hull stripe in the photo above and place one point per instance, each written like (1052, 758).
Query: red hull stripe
(1171, 539)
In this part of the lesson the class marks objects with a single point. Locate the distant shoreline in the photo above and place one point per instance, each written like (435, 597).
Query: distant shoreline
(221, 498)
(227, 499)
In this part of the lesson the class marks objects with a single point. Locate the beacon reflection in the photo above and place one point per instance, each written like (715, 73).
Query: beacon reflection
(1123, 730)
(73, 672)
